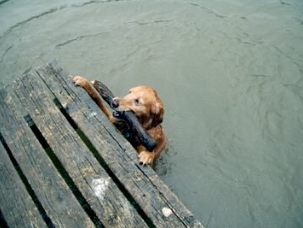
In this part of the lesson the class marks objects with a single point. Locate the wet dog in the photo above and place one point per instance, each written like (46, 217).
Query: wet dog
(145, 103)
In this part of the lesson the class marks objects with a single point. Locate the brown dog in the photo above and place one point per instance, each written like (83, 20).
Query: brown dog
(148, 108)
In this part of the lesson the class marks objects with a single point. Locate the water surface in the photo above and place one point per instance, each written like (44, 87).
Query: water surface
(230, 73)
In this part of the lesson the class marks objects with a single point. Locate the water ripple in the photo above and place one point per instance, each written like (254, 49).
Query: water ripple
(208, 10)
(5, 52)
(19, 24)
(4, 1)
(96, 2)
(77, 38)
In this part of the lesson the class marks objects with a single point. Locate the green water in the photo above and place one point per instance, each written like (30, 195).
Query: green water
(230, 73)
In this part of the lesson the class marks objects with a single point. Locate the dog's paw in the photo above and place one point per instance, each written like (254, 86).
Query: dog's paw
(146, 158)
(80, 81)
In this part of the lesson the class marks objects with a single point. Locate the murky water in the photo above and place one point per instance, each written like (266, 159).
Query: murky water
(230, 73)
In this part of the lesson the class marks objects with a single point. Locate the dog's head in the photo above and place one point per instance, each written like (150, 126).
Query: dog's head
(145, 104)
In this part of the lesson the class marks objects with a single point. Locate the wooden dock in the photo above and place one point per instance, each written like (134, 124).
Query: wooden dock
(63, 164)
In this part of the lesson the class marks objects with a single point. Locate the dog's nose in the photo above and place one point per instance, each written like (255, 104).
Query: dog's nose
(115, 102)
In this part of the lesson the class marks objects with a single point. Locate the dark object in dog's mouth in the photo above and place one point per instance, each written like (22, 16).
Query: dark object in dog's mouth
(132, 121)
(121, 114)
(118, 114)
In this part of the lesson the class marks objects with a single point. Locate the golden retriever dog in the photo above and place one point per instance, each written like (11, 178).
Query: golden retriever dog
(144, 102)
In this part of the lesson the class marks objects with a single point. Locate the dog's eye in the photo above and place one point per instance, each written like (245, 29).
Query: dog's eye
(137, 102)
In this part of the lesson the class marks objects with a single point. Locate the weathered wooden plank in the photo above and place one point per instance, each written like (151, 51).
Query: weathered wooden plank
(17, 206)
(152, 195)
(56, 198)
(98, 189)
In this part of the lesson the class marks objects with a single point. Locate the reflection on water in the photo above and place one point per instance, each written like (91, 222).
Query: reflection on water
(230, 73)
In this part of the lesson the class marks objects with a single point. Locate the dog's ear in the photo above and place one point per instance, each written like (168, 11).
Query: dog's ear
(157, 113)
